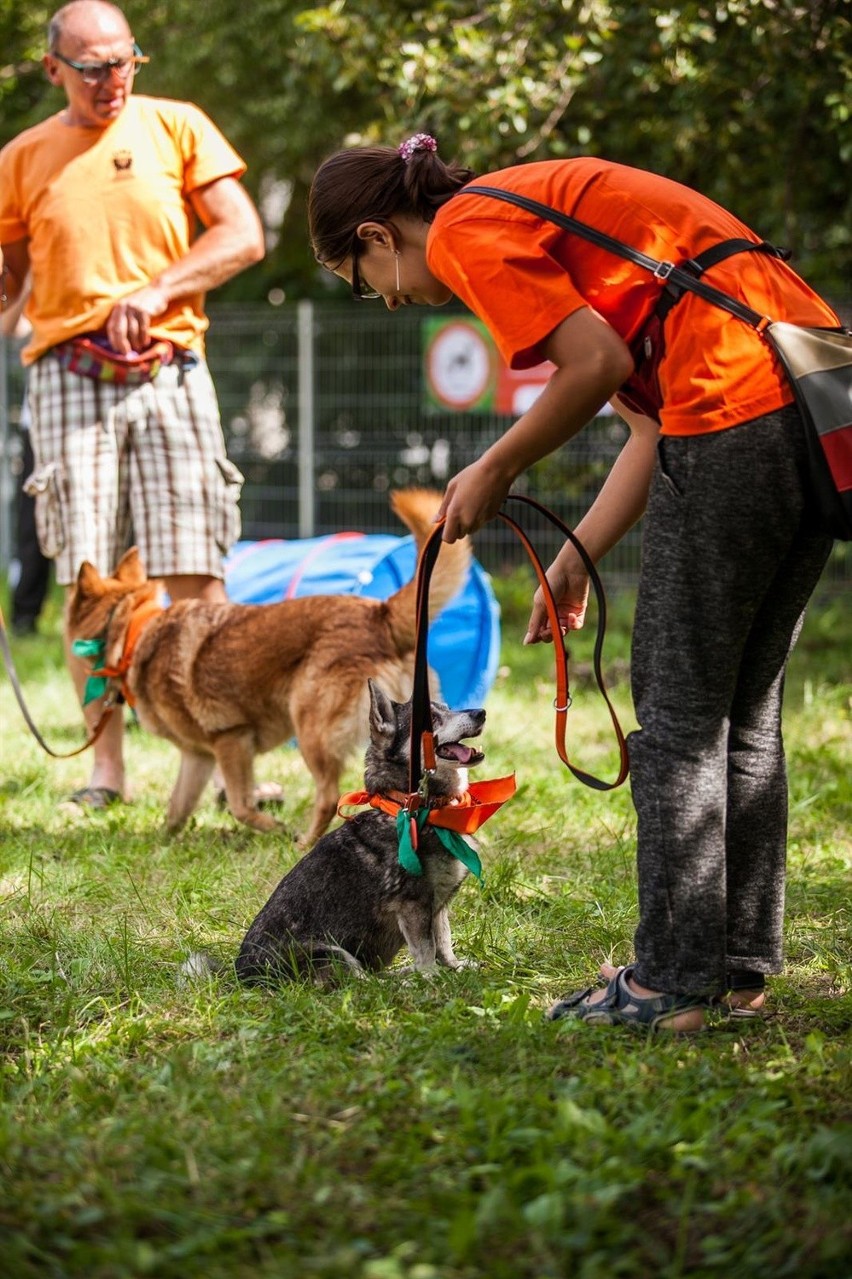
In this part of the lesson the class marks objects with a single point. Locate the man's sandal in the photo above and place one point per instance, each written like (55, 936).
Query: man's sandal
(96, 797)
(619, 1006)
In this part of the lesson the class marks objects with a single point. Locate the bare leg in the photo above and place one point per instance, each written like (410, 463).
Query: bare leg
(196, 586)
(108, 750)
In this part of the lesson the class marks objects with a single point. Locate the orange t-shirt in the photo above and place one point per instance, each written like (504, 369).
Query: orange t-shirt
(106, 210)
(523, 276)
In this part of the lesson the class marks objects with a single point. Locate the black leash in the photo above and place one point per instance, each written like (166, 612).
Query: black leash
(422, 745)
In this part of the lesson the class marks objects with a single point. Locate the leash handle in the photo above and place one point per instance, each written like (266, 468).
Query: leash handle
(108, 708)
(563, 697)
(421, 710)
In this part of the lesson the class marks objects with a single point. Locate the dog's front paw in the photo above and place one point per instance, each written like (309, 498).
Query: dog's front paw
(458, 964)
(412, 971)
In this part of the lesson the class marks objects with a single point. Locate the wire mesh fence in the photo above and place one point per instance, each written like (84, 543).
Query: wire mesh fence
(374, 429)
(376, 426)
(328, 406)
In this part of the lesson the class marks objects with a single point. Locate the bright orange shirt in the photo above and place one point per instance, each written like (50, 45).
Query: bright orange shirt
(523, 276)
(106, 210)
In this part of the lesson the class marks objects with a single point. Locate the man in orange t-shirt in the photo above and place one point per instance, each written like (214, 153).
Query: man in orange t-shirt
(100, 206)
(730, 554)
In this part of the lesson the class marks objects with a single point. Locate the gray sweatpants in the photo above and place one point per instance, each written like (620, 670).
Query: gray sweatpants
(728, 564)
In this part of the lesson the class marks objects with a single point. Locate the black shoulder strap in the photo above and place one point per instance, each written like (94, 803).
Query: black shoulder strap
(710, 257)
(676, 279)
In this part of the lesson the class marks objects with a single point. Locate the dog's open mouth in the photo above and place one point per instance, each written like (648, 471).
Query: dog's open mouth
(460, 754)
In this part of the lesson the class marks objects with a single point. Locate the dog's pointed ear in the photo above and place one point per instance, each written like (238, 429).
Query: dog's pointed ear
(89, 580)
(381, 710)
(130, 570)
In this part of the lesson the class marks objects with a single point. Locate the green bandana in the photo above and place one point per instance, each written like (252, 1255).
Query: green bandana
(96, 685)
(452, 841)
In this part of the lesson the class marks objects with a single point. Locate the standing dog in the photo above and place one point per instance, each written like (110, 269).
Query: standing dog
(226, 682)
(349, 900)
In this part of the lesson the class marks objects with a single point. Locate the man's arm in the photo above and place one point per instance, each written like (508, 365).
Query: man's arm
(15, 265)
(231, 241)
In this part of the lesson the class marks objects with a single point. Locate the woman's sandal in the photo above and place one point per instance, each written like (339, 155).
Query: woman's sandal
(745, 996)
(619, 1006)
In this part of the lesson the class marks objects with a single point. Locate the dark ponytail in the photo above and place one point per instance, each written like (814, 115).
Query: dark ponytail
(372, 184)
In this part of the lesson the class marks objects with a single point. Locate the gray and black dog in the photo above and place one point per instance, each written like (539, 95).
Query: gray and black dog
(349, 901)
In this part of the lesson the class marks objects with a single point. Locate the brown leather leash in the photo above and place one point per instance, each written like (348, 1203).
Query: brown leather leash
(110, 702)
(422, 742)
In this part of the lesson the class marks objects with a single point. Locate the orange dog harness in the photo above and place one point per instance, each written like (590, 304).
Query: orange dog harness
(452, 818)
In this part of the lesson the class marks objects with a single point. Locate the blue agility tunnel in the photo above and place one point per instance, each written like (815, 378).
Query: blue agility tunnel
(464, 641)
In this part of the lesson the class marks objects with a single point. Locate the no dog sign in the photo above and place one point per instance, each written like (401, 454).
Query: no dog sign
(461, 364)
(464, 371)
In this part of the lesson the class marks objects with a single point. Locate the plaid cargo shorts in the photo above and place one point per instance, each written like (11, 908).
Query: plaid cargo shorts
(143, 465)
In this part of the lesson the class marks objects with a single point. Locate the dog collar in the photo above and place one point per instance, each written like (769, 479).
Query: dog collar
(99, 676)
(461, 816)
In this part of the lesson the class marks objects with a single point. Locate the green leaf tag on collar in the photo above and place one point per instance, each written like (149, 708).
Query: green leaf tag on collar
(96, 685)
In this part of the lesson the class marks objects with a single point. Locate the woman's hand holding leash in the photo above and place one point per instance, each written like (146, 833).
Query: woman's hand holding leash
(473, 497)
(569, 585)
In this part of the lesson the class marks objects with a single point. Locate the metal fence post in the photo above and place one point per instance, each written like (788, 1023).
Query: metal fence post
(307, 423)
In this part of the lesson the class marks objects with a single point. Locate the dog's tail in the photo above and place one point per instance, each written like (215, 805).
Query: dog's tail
(417, 509)
(199, 966)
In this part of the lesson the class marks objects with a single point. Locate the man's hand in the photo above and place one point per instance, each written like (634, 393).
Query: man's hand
(128, 323)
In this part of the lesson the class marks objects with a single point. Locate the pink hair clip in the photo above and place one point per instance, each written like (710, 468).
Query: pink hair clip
(419, 142)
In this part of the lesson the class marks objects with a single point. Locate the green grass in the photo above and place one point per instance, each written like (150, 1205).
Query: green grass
(403, 1128)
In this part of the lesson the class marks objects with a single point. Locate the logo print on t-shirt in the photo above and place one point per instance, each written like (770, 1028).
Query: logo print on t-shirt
(122, 160)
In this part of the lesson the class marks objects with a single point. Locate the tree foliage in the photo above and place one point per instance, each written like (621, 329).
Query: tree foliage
(746, 100)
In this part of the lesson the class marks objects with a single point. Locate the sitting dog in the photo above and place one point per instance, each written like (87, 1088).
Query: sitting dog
(226, 682)
(349, 901)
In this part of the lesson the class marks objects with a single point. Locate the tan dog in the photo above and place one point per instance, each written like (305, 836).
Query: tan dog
(226, 682)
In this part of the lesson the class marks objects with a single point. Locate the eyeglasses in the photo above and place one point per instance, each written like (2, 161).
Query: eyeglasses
(99, 72)
(359, 291)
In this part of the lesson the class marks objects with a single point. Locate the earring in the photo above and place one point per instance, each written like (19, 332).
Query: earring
(396, 257)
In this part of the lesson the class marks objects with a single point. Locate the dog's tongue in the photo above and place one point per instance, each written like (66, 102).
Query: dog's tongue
(457, 751)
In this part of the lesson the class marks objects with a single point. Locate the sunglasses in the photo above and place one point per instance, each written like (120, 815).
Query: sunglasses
(99, 72)
(360, 291)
